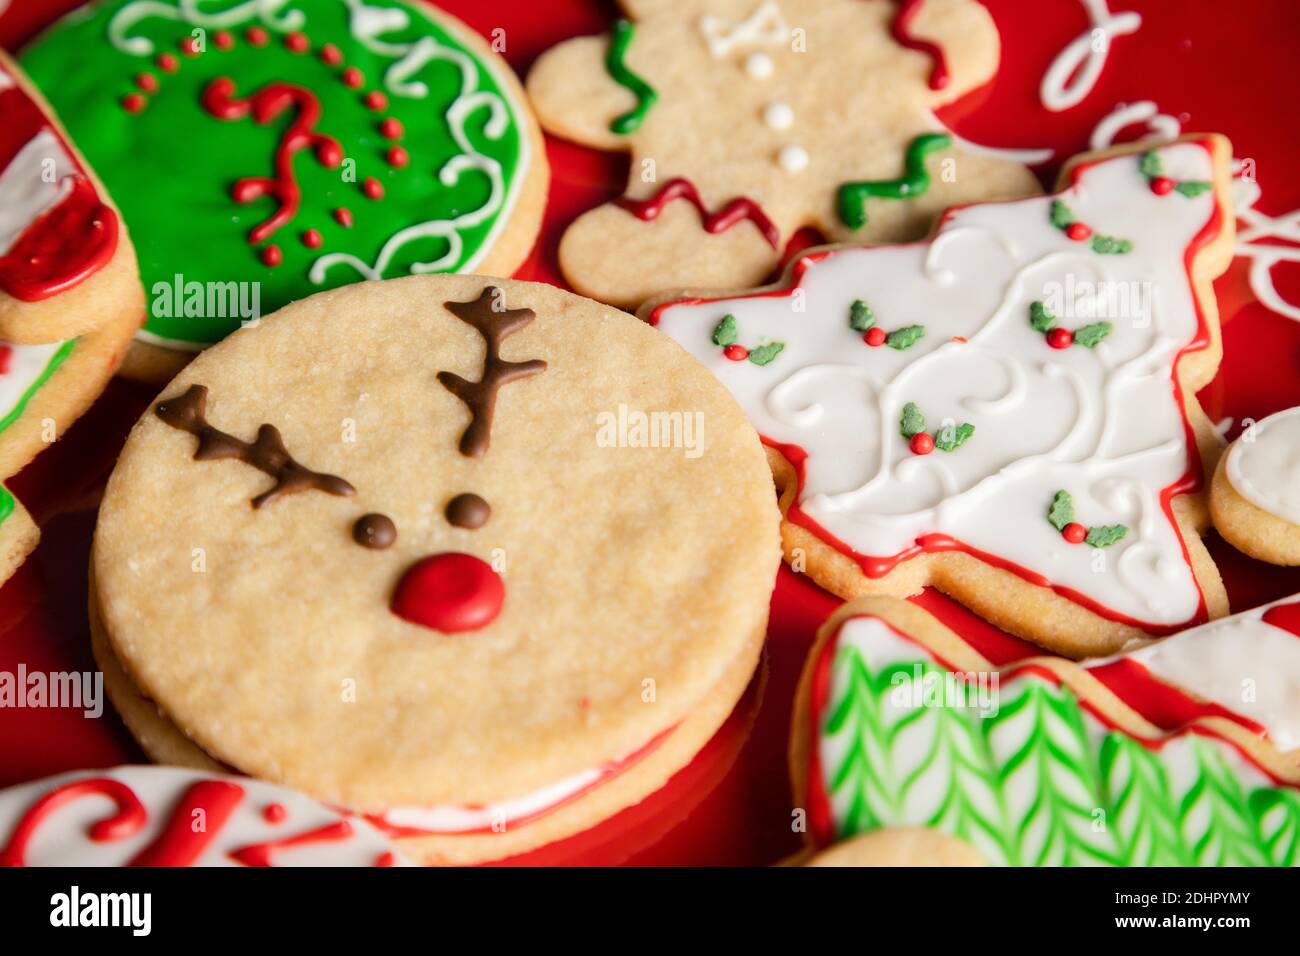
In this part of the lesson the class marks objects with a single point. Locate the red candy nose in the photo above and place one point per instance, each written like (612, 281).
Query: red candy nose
(449, 592)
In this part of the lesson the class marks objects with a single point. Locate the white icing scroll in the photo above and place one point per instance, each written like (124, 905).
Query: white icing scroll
(1265, 255)
(1161, 126)
(1085, 57)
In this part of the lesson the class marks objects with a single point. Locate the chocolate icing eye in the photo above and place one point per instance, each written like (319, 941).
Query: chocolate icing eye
(468, 511)
(374, 531)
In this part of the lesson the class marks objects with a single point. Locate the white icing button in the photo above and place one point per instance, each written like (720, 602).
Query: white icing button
(778, 115)
(793, 159)
(759, 65)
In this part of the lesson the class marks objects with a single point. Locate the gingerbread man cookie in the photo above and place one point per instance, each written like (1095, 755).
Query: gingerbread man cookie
(269, 150)
(70, 295)
(1255, 497)
(146, 816)
(1006, 411)
(1180, 753)
(749, 119)
(481, 560)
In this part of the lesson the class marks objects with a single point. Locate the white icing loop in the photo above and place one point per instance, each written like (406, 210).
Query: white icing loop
(269, 12)
(1265, 255)
(1074, 72)
(1161, 126)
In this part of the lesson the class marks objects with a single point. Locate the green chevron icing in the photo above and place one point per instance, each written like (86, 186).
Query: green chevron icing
(171, 165)
(1040, 781)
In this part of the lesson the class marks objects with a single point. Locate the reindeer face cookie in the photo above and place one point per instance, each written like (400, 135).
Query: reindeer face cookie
(292, 146)
(749, 119)
(1181, 753)
(1005, 411)
(480, 559)
(1255, 498)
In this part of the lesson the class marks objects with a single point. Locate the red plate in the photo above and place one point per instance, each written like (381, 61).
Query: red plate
(1192, 61)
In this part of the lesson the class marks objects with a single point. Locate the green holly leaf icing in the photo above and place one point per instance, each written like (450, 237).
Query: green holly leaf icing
(1104, 535)
(1151, 165)
(171, 165)
(1192, 187)
(724, 333)
(1090, 335)
(912, 422)
(904, 338)
(1040, 319)
(1110, 245)
(861, 317)
(1140, 805)
(1277, 816)
(1060, 214)
(1061, 512)
(952, 437)
(763, 354)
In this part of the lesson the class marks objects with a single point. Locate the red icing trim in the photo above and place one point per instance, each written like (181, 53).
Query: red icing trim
(129, 817)
(737, 210)
(181, 841)
(266, 104)
(901, 27)
(1165, 705)
(1284, 616)
(879, 566)
(262, 854)
(65, 244)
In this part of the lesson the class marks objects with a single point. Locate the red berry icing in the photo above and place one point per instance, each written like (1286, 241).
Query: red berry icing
(223, 39)
(133, 102)
(257, 36)
(167, 62)
(190, 46)
(272, 256)
(353, 77)
(874, 336)
(1162, 185)
(449, 592)
(343, 216)
(391, 128)
(1074, 532)
(376, 101)
(331, 54)
(373, 188)
(297, 42)
(147, 82)
(274, 813)
(921, 444)
(1059, 338)
(311, 239)
(1078, 231)
(737, 353)
(397, 157)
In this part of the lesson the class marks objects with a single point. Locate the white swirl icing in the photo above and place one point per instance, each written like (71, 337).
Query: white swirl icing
(1074, 72)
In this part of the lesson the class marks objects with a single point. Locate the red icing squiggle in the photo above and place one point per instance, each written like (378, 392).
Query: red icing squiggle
(737, 210)
(183, 840)
(901, 27)
(67, 243)
(266, 104)
(260, 854)
(127, 820)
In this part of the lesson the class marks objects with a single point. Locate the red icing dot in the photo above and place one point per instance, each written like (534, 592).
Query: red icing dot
(449, 592)
(274, 813)
(167, 62)
(386, 859)
(6, 353)
(190, 46)
(256, 36)
(331, 54)
(133, 102)
(353, 77)
(343, 216)
(921, 444)
(1074, 532)
(1059, 338)
(376, 101)
(147, 82)
(397, 156)
(311, 239)
(737, 353)
(391, 128)
(1162, 185)
(874, 336)
(272, 256)
(297, 42)
(223, 39)
(373, 188)
(1078, 231)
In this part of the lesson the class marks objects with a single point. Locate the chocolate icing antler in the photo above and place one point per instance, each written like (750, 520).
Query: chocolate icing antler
(267, 454)
(481, 396)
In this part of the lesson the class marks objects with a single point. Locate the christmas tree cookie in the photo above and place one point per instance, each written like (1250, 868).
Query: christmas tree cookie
(746, 120)
(269, 150)
(1181, 753)
(1006, 411)
(1255, 496)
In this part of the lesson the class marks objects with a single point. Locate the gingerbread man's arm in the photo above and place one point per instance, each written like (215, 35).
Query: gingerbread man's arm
(961, 38)
(576, 97)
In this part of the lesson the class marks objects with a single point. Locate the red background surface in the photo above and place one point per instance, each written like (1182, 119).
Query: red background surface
(1216, 66)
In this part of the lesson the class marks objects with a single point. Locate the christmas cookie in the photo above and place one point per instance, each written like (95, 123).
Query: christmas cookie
(18, 535)
(146, 816)
(1006, 411)
(749, 119)
(482, 560)
(1181, 753)
(1255, 496)
(66, 264)
(270, 150)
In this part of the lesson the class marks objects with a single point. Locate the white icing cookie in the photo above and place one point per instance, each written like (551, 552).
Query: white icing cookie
(1255, 498)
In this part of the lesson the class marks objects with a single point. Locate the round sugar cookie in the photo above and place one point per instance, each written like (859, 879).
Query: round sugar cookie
(319, 143)
(481, 559)
(1255, 493)
(146, 816)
